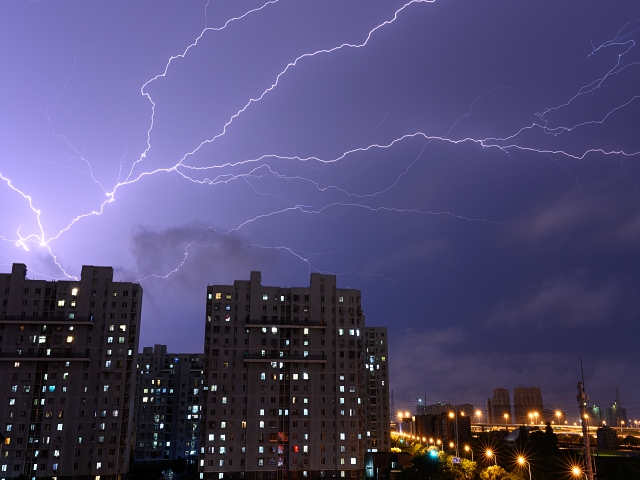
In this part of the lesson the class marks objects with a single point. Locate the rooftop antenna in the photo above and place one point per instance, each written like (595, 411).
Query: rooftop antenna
(583, 400)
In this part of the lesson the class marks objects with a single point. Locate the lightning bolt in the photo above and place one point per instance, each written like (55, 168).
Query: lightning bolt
(255, 168)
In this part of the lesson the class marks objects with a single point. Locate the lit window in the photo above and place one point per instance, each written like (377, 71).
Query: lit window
(16, 364)
(295, 376)
(120, 339)
(109, 339)
(61, 303)
(59, 428)
(74, 292)
(305, 376)
(305, 331)
(341, 299)
(341, 331)
(263, 376)
(218, 295)
(274, 330)
(107, 364)
(70, 339)
(223, 424)
(98, 465)
(261, 424)
(262, 409)
(353, 461)
(123, 328)
(265, 296)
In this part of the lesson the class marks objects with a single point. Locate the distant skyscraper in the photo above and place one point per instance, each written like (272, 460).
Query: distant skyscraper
(616, 416)
(67, 365)
(498, 406)
(526, 402)
(169, 405)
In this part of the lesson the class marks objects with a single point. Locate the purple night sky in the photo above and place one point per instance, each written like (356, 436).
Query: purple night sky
(472, 167)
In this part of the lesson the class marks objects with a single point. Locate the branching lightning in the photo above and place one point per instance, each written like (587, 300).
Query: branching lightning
(263, 165)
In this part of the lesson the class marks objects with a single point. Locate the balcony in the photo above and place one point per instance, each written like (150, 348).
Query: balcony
(288, 322)
(284, 356)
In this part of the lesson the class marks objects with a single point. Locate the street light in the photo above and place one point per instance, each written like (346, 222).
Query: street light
(506, 418)
(531, 418)
(522, 461)
(577, 472)
(451, 445)
(535, 415)
(558, 414)
(439, 442)
(467, 448)
(479, 415)
(491, 455)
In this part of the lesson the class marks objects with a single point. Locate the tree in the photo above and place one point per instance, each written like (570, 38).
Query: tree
(523, 439)
(495, 472)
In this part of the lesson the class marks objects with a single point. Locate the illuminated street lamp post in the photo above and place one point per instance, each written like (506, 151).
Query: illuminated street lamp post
(479, 415)
(558, 414)
(506, 418)
(522, 461)
(491, 455)
(439, 443)
(531, 418)
(535, 415)
(455, 416)
(577, 472)
(467, 448)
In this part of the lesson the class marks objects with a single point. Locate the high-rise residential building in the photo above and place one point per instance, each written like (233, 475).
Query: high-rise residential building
(527, 405)
(169, 405)
(376, 390)
(289, 389)
(67, 367)
(499, 406)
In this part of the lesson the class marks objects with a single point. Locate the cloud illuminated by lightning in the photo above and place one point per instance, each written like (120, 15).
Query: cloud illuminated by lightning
(227, 172)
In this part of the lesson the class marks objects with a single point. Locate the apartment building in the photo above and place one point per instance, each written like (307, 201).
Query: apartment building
(376, 377)
(67, 372)
(527, 405)
(169, 405)
(285, 371)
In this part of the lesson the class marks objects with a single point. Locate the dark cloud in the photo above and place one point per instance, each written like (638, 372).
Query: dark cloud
(563, 300)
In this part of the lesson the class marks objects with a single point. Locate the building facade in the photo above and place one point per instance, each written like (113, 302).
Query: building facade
(376, 377)
(527, 405)
(67, 367)
(499, 406)
(169, 405)
(289, 389)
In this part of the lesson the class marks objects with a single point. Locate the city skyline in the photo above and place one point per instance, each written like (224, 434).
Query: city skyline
(472, 169)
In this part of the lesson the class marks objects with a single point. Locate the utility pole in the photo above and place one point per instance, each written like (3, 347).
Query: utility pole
(583, 400)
